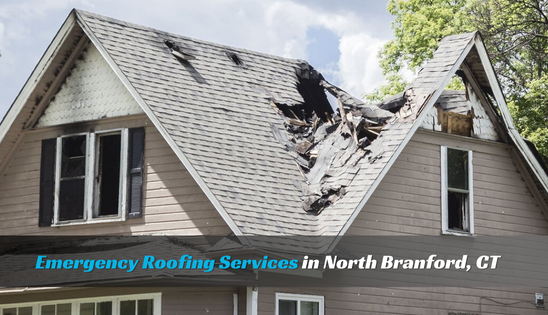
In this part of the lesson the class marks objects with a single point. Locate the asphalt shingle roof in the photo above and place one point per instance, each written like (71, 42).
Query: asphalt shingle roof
(220, 115)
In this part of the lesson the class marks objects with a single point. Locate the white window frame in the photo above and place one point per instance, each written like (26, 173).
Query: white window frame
(75, 307)
(299, 298)
(444, 190)
(90, 214)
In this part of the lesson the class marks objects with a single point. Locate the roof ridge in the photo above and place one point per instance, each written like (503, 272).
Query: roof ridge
(459, 36)
(183, 37)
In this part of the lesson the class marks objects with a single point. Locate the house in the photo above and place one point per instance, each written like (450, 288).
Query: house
(126, 130)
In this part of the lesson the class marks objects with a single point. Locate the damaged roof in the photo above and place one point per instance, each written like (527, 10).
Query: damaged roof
(257, 131)
(260, 132)
(449, 100)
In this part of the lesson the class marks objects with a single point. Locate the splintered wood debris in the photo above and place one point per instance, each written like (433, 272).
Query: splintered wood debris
(327, 145)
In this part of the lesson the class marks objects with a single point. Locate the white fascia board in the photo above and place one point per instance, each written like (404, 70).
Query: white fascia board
(507, 118)
(418, 122)
(188, 165)
(36, 75)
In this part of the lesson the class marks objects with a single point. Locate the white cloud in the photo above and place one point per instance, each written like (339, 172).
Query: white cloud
(359, 70)
(1, 35)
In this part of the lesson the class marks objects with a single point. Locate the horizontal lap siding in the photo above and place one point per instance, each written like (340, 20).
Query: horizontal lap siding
(416, 301)
(408, 200)
(173, 202)
(194, 301)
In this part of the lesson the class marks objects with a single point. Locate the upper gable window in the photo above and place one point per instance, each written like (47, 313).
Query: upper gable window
(97, 176)
(457, 197)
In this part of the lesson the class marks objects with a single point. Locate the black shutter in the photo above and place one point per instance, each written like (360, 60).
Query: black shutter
(47, 182)
(135, 172)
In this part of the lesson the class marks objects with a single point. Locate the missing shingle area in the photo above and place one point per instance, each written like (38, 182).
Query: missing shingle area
(235, 59)
(327, 145)
(177, 51)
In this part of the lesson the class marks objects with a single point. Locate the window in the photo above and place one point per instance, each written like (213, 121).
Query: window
(141, 304)
(91, 176)
(56, 309)
(26, 310)
(299, 304)
(457, 188)
(108, 174)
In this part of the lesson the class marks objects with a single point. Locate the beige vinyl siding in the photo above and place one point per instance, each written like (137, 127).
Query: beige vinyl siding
(414, 301)
(408, 200)
(175, 301)
(173, 201)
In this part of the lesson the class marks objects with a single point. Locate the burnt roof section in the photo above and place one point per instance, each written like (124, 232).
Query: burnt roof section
(394, 102)
(449, 101)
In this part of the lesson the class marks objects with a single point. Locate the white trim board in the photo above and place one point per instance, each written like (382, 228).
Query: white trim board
(444, 189)
(507, 118)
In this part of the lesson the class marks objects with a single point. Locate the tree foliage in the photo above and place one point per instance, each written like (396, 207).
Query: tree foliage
(418, 27)
(395, 84)
(514, 31)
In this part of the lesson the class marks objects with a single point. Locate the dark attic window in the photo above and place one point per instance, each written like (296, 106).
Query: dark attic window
(108, 177)
(457, 189)
(457, 200)
(72, 178)
(92, 176)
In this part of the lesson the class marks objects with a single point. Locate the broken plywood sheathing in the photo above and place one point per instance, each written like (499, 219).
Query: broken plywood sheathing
(461, 104)
(327, 146)
(455, 123)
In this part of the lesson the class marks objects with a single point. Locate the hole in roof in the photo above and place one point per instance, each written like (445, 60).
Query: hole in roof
(171, 45)
(178, 52)
(234, 57)
(333, 101)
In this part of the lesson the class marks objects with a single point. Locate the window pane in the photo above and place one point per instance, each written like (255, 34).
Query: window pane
(127, 308)
(457, 204)
(87, 309)
(109, 174)
(457, 169)
(25, 310)
(104, 308)
(71, 199)
(9, 311)
(310, 308)
(286, 307)
(63, 309)
(73, 157)
(144, 307)
(48, 310)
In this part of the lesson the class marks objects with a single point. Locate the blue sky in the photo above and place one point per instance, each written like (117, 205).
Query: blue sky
(341, 39)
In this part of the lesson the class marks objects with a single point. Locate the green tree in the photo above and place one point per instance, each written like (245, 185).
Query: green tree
(418, 27)
(395, 84)
(514, 31)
